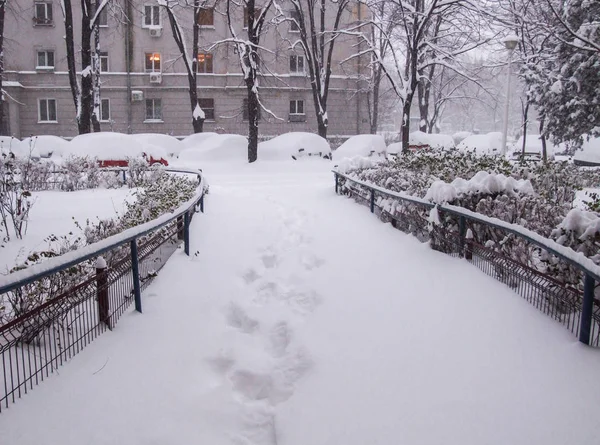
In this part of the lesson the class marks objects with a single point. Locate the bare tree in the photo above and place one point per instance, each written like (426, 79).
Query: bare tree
(82, 92)
(190, 60)
(2, 16)
(248, 51)
(318, 32)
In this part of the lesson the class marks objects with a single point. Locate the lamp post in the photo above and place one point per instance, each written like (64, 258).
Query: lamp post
(510, 43)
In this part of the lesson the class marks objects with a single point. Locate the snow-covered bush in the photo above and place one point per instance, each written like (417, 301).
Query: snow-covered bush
(361, 145)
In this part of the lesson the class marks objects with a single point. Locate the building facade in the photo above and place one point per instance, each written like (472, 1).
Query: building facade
(150, 93)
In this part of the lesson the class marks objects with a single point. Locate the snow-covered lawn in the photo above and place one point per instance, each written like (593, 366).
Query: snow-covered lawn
(302, 319)
(55, 213)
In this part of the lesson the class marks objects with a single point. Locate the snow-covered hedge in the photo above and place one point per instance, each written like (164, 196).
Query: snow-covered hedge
(537, 197)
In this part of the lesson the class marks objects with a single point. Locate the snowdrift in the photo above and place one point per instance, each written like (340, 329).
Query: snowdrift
(197, 139)
(433, 141)
(533, 147)
(294, 146)
(110, 146)
(217, 147)
(171, 145)
(361, 145)
(589, 153)
(19, 149)
(47, 145)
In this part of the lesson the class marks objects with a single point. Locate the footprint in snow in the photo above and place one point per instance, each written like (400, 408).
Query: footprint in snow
(239, 319)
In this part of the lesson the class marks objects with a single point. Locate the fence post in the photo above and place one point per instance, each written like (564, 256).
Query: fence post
(180, 227)
(337, 183)
(135, 270)
(372, 201)
(102, 291)
(462, 230)
(202, 203)
(469, 245)
(124, 178)
(186, 233)
(587, 309)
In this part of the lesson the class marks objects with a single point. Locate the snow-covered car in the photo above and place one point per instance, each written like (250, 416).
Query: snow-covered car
(170, 144)
(365, 145)
(417, 140)
(115, 149)
(589, 153)
(217, 147)
(533, 148)
(47, 145)
(482, 144)
(295, 145)
(13, 147)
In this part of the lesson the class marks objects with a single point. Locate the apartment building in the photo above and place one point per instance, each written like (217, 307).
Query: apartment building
(150, 93)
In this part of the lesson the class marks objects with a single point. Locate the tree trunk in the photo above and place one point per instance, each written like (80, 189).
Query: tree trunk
(525, 114)
(2, 14)
(405, 127)
(87, 75)
(96, 87)
(252, 124)
(423, 88)
(70, 46)
(375, 106)
(543, 136)
(322, 126)
(197, 121)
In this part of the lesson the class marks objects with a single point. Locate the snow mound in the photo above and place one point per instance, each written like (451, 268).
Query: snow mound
(9, 144)
(362, 145)
(170, 144)
(348, 164)
(589, 153)
(109, 146)
(585, 224)
(394, 149)
(482, 144)
(197, 139)
(482, 183)
(47, 145)
(294, 146)
(218, 147)
(434, 141)
(533, 147)
(460, 136)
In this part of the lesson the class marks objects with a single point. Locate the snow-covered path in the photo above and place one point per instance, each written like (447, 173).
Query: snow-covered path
(300, 319)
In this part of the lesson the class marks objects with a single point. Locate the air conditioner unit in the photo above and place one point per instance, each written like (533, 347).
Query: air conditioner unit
(155, 78)
(155, 32)
(137, 96)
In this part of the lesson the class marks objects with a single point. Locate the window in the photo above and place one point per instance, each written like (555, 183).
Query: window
(295, 21)
(103, 17)
(153, 62)
(297, 64)
(256, 15)
(151, 16)
(45, 59)
(153, 110)
(43, 13)
(208, 106)
(47, 110)
(205, 63)
(245, 113)
(206, 17)
(104, 67)
(296, 107)
(104, 110)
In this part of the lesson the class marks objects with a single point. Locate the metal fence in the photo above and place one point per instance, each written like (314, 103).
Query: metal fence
(465, 234)
(83, 297)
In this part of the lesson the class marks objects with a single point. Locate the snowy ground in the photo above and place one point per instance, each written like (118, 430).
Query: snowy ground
(54, 212)
(301, 319)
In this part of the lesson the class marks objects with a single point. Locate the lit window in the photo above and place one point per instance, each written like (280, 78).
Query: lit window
(45, 59)
(208, 106)
(206, 17)
(105, 110)
(153, 62)
(47, 110)
(154, 110)
(43, 13)
(151, 16)
(205, 63)
(297, 64)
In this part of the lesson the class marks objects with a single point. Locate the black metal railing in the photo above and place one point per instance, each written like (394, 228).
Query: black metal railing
(466, 234)
(81, 296)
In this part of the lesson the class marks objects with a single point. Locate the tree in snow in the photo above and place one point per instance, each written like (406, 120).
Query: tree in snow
(563, 84)
(426, 35)
(2, 16)
(190, 60)
(83, 91)
(318, 23)
(248, 51)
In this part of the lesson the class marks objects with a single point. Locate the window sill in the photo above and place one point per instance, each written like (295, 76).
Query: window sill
(44, 68)
(47, 122)
(205, 73)
(105, 122)
(294, 31)
(43, 25)
(298, 74)
(207, 27)
(152, 27)
(154, 121)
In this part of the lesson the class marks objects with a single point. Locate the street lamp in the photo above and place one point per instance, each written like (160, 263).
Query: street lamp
(510, 43)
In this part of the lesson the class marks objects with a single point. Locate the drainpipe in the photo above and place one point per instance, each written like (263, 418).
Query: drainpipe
(128, 60)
